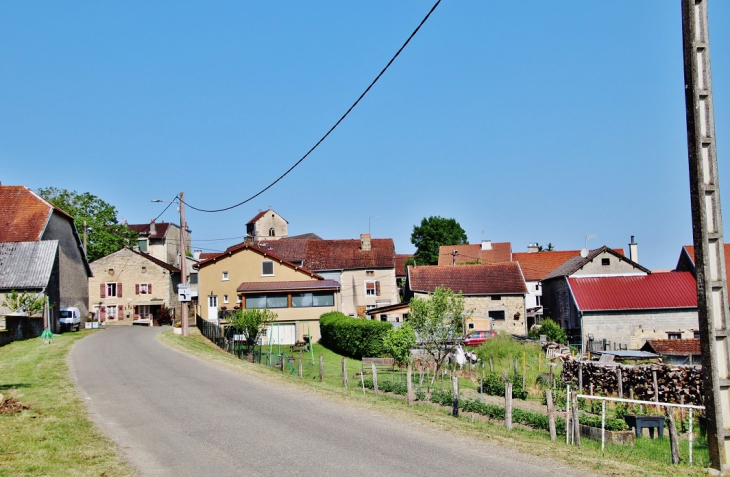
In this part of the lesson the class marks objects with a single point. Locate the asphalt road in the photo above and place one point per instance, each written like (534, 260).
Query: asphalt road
(173, 414)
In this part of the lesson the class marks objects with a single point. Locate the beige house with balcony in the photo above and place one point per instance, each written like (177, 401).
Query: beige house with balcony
(246, 277)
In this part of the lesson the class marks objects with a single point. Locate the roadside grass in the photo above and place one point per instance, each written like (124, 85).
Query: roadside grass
(55, 435)
(648, 457)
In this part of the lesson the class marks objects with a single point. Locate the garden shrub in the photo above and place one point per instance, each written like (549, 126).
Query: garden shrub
(552, 330)
(395, 387)
(353, 337)
(493, 385)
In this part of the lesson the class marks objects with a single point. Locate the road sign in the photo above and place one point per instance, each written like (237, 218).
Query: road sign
(183, 292)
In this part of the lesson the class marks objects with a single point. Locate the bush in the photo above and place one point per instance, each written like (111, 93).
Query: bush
(353, 337)
(494, 386)
(551, 329)
(395, 387)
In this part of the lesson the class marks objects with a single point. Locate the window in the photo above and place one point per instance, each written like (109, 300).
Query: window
(497, 315)
(143, 311)
(142, 244)
(225, 276)
(225, 298)
(267, 268)
(272, 233)
(697, 335)
(471, 326)
(278, 300)
(238, 298)
(496, 297)
(372, 288)
(537, 286)
(369, 307)
(144, 288)
(144, 269)
(538, 301)
(111, 289)
(383, 317)
(605, 261)
(674, 336)
(305, 300)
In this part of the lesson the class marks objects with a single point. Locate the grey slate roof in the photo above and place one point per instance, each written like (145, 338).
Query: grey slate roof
(26, 265)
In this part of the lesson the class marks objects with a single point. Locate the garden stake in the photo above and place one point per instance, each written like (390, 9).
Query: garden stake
(508, 405)
(344, 373)
(321, 368)
(375, 378)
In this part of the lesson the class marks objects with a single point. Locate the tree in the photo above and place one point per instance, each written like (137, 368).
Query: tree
(549, 248)
(24, 302)
(105, 234)
(399, 343)
(431, 234)
(437, 321)
(251, 322)
(552, 330)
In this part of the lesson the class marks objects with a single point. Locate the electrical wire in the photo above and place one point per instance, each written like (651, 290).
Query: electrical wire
(332, 128)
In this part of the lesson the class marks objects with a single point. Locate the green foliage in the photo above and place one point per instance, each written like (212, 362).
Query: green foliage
(353, 337)
(25, 302)
(434, 232)
(399, 343)
(551, 329)
(105, 234)
(437, 320)
(493, 385)
(251, 322)
(395, 387)
(164, 316)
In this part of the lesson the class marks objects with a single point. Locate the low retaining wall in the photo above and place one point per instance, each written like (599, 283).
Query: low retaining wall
(19, 328)
(612, 437)
(675, 384)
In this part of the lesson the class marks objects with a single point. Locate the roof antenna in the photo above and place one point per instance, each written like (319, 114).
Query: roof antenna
(584, 252)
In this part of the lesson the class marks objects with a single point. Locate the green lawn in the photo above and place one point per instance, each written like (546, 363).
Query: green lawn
(55, 435)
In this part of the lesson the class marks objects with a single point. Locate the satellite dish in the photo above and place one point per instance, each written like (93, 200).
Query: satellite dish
(584, 253)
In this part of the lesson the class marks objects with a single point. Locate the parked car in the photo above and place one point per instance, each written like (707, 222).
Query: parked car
(70, 318)
(475, 338)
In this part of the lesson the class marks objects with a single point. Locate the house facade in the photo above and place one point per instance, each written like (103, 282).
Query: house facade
(161, 241)
(494, 295)
(131, 286)
(26, 217)
(247, 277)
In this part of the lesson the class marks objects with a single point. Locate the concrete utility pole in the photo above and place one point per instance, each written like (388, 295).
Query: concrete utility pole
(183, 264)
(85, 238)
(712, 296)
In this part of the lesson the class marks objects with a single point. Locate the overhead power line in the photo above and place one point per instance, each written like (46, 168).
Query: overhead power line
(332, 128)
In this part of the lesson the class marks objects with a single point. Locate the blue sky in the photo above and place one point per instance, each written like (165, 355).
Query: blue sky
(525, 121)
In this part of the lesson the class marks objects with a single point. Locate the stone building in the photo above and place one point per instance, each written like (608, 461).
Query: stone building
(494, 295)
(131, 286)
(267, 225)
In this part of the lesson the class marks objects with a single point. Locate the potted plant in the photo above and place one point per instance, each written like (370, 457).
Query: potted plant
(91, 322)
(177, 328)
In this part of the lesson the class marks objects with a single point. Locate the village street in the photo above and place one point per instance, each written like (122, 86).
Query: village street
(173, 414)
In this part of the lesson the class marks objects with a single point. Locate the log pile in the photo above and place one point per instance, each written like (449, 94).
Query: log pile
(675, 384)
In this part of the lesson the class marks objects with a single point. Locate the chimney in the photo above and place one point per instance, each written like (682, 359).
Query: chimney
(486, 245)
(532, 248)
(633, 251)
(153, 227)
(196, 254)
(365, 242)
(454, 253)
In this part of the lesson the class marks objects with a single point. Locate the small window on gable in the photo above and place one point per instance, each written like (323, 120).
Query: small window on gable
(225, 276)
(267, 268)
(496, 297)
(697, 335)
(605, 261)
(272, 233)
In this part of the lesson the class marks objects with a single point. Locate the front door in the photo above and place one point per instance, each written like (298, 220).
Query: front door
(213, 308)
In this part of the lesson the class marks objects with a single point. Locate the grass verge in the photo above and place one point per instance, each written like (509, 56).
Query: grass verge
(616, 461)
(54, 436)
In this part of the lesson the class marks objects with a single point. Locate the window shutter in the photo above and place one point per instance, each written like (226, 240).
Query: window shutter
(102, 313)
(136, 288)
(149, 288)
(102, 290)
(377, 288)
(119, 290)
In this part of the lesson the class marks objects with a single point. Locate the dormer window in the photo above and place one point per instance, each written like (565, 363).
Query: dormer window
(267, 268)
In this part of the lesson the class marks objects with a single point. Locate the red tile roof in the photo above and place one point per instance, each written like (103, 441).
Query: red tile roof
(690, 249)
(160, 229)
(207, 255)
(537, 265)
(307, 236)
(660, 290)
(23, 214)
(500, 252)
(400, 264)
(243, 246)
(496, 279)
(288, 285)
(293, 250)
(347, 255)
(674, 347)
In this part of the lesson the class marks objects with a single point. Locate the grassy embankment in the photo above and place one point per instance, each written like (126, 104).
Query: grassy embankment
(648, 457)
(54, 435)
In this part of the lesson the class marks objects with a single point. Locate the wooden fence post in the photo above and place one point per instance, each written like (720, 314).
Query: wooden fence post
(375, 377)
(551, 414)
(491, 365)
(620, 381)
(455, 391)
(508, 405)
(409, 385)
(321, 368)
(344, 372)
(673, 438)
(656, 386)
(580, 377)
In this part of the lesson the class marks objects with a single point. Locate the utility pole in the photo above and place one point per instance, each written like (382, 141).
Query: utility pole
(183, 264)
(85, 238)
(712, 295)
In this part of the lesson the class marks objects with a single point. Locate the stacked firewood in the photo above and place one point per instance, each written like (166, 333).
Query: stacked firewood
(675, 384)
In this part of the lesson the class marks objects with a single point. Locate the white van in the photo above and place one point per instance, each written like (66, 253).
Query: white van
(70, 318)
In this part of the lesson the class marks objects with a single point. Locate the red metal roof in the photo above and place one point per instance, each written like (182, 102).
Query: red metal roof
(23, 214)
(496, 279)
(690, 249)
(288, 285)
(657, 290)
(500, 252)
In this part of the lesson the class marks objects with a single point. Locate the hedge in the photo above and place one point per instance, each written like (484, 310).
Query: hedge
(353, 337)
